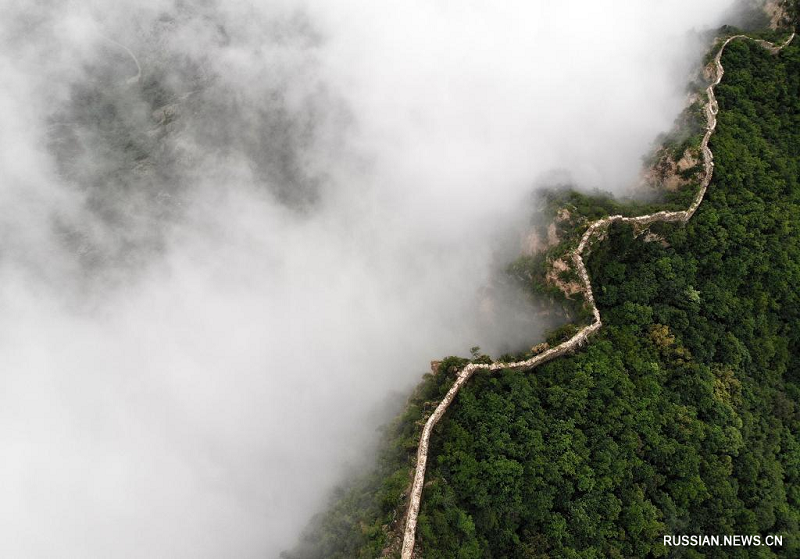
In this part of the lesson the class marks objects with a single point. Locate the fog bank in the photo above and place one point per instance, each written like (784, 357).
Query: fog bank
(228, 231)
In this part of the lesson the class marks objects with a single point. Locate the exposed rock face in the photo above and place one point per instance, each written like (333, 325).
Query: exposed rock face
(539, 348)
(777, 13)
(672, 174)
(533, 241)
(651, 237)
(552, 235)
(569, 288)
(532, 244)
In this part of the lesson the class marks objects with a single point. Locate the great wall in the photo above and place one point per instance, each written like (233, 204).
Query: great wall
(711, 109)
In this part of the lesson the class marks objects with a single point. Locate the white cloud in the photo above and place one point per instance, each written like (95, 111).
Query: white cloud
(189, 350)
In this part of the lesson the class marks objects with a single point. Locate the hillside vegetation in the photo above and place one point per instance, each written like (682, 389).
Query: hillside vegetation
(681, 416)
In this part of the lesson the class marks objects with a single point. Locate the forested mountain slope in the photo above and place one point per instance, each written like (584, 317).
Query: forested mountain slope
(682, 416)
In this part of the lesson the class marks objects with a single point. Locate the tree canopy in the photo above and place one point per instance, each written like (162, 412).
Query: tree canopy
(682, 416)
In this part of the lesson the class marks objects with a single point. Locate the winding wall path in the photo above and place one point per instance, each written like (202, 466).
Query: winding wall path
(581, 337)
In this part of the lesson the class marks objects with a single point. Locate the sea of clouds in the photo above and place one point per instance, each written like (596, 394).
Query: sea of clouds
(231, 231)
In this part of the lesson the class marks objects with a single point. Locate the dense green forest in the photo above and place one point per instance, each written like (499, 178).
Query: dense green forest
(682, 416)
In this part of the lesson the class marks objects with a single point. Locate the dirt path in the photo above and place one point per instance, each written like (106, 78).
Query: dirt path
(138, 76)
(581, 337)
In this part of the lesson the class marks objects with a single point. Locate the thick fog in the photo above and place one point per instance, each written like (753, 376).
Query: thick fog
(230, 230)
